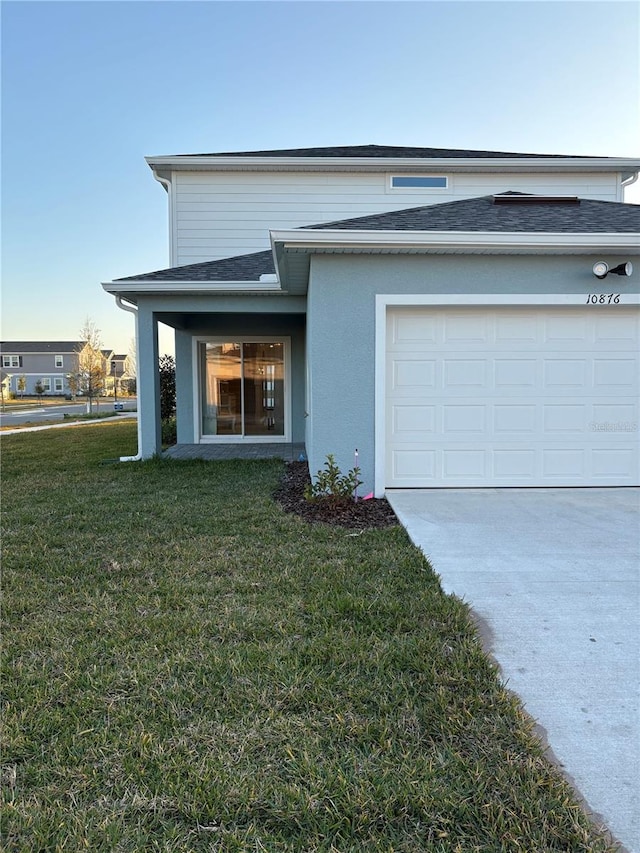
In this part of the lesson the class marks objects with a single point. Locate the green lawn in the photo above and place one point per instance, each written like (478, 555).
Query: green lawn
(187, 668)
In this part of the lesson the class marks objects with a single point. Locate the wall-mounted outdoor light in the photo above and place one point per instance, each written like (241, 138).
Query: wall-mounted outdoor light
(601, 270)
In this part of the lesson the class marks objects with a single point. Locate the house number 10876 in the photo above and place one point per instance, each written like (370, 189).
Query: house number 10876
(603, 299)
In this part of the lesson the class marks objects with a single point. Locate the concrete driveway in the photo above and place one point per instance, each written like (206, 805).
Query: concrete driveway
(554, 574)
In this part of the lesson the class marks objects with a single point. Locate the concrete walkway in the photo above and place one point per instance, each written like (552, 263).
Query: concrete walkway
(554, 577)
(120, 416)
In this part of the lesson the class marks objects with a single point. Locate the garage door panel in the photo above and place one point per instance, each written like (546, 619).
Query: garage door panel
(516, 328)
(574, 329)
(613, 461)
(464, 373)
(414, 329)
(409, 375)
(515, 418)
(461, 329)
(516, 464)
(514, 373)
(615, 331)
(564, 417)
(622, 373)
(413, 466)
(413, 420)
(536, 405)
(623, 414)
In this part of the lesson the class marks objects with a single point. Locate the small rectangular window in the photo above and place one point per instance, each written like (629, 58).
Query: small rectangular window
(430, 182)
(59, 361)
(58, 383)
(46, 383)
(11, 361)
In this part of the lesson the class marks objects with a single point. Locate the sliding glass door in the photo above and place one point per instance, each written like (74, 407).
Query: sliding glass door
(243, 390)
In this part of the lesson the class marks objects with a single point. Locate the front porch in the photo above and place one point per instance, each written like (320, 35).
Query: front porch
(289, 452)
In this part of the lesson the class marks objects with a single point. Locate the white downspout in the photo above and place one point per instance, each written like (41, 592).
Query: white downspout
(133, 310)
(627, 183)
(167, 184)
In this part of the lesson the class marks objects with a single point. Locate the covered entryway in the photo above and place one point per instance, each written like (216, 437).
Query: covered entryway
(512, 396)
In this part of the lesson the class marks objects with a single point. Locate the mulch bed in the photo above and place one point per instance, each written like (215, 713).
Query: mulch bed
(361, 514)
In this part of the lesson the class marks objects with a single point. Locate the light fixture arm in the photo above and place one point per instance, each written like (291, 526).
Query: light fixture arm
(601, 269)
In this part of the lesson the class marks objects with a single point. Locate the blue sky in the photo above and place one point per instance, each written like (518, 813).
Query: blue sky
(90, 87)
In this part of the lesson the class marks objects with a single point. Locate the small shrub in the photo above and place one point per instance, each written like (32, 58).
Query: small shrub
(332, 486)
(169, 431)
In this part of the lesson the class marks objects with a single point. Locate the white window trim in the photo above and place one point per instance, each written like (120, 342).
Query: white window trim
(46, 383)
(56, 380)
(59, 358)
(198, 437)
(391, 189)
(385, 301)
(11, 361)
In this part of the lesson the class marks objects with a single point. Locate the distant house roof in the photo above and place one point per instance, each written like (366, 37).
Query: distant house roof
(386, 151)
(509, 212)
(55, 347)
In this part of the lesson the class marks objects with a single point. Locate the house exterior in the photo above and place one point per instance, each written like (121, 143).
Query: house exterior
(53, 364)
(435, 309)
(27, 363)
(119, 373)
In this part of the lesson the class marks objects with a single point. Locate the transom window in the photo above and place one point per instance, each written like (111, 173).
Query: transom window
(433, 182)
(243, 390)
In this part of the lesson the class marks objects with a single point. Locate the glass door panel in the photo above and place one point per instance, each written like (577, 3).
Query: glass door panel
(263, 395)
(222, 391)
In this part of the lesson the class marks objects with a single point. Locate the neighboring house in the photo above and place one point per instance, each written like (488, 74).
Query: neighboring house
(435, 309)
(48, 362)
(52, 363)
(120, 372)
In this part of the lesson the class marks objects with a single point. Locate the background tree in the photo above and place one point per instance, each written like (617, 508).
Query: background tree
(39, 388)
(131, 369)
(167, 369)
(92, 365)
(22, 384)
(4, 377)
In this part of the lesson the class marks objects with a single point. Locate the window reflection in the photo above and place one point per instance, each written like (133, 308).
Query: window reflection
(243, 389)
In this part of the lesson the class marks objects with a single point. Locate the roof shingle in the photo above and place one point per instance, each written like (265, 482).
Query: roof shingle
(385, 151)
(474, 214)
(239, 268)
(56, 347)
(482, 214)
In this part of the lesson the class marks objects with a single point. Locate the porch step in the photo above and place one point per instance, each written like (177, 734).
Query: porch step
(289, 452)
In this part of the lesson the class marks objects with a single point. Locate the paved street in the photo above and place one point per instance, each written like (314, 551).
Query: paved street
(39, 415)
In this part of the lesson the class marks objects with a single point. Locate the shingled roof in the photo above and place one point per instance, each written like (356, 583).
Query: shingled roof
(385, 151)
(56, 347)
(508, 212)
(239, 268)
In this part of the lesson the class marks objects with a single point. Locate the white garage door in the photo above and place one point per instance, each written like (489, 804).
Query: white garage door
(512, 397)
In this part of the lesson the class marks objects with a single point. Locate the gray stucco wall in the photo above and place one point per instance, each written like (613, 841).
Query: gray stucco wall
(341, 327)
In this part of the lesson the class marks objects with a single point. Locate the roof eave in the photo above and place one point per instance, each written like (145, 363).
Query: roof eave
(627, 165)
(533, 240)
(141, 287)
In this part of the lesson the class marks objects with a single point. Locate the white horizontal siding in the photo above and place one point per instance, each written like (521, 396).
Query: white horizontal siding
(230, 213)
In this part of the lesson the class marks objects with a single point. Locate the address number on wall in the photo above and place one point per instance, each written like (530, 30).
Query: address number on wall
(603, 299)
